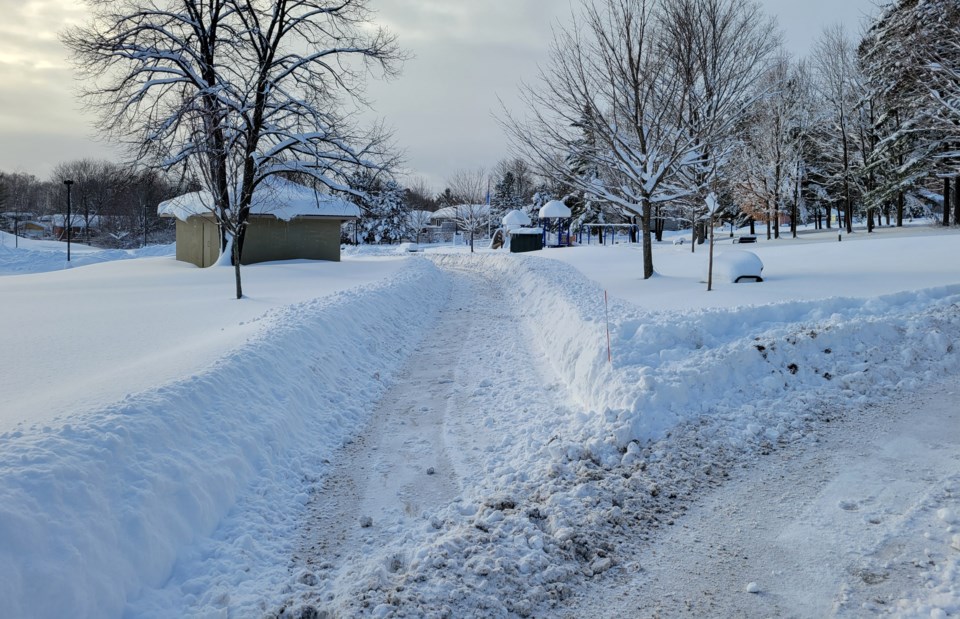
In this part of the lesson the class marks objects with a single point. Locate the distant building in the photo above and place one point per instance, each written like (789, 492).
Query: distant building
(287, 222)
(78, 225)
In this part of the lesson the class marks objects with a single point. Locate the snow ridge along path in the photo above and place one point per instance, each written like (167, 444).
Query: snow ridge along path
(185, 499)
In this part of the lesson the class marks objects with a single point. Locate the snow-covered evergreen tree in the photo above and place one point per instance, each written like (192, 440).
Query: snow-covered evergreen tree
(384, 218)
(505, 198)
(907, 39)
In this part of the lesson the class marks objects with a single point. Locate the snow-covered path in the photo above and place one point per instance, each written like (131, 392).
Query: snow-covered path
(862, 522)
(437, 438)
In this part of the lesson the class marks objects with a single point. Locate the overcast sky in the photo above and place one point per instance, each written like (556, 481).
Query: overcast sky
(466, 53)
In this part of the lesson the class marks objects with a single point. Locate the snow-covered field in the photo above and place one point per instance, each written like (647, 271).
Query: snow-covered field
(444, 434)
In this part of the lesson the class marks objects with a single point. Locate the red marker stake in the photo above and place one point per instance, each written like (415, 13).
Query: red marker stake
(606, 311)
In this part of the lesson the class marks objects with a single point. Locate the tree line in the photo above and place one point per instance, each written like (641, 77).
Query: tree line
(112, 205)
(646, 107)
(643, 109)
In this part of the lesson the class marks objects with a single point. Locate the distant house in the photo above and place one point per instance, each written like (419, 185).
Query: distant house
(287, 222)
(450, 220)
(78, 225)
(32, 229)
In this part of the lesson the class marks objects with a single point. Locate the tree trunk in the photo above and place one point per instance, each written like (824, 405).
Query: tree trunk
(946, 201)
(647, 240)
(710, 261)
(753, 228)
(693, 231)
(235, 258)
(900, 204)
(776, 201)
(956, 201)
(795, 207)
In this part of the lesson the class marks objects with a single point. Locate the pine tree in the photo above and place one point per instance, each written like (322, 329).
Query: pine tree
(896, 55)
(383, 216)
(505, 197)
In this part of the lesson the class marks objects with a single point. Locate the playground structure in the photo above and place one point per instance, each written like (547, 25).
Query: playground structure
(555, 218)
(607, 233)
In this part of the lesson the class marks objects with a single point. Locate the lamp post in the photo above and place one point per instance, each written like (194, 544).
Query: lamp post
(68, 222)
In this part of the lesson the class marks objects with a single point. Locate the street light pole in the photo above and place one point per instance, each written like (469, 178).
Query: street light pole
(68, 222)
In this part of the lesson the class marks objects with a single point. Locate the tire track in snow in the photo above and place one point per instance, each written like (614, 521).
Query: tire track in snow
(437, 435)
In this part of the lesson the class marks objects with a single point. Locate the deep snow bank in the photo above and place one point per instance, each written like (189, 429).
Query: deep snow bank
(756, 367)
(95, 511)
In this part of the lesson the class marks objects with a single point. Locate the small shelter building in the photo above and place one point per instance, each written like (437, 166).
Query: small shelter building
(287, 221)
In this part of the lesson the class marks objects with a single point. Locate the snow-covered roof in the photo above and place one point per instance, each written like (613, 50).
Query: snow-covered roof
(461, 210)
(554, 209)
(77, 220)
(516, 218)
(415, 217)
(274, 196)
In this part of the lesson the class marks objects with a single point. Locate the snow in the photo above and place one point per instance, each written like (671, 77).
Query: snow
(442, 433)
(274, 196)
(516, 219)
(735, 265)
(554, 209)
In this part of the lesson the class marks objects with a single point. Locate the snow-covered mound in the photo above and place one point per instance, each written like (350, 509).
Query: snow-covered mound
(97, 509)
(735, 266)
(673, 367)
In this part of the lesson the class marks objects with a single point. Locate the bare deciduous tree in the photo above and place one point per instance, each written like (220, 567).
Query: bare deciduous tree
(237, 90)
(607, 77)
(836, 70)
(768, 158)
(719, 50)
(470, 187)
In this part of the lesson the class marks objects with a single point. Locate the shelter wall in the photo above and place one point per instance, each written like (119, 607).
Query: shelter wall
(302, 238)
(198, 241)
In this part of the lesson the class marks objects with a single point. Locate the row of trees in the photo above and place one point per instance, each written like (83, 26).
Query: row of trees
(115, 205)
(648, 106)
(644, 108)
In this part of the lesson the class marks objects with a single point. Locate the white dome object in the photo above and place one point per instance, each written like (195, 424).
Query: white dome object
(736, 266)
(516, 218)
(554, 209)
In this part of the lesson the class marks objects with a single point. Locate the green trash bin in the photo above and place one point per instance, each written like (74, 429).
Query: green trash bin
(526, 239)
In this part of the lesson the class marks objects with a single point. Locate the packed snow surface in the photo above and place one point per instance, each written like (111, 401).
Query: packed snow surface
(448, 434)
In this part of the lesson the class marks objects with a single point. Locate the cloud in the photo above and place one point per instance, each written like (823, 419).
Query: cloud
(41, 123)
(467, 53)
(467, 56)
